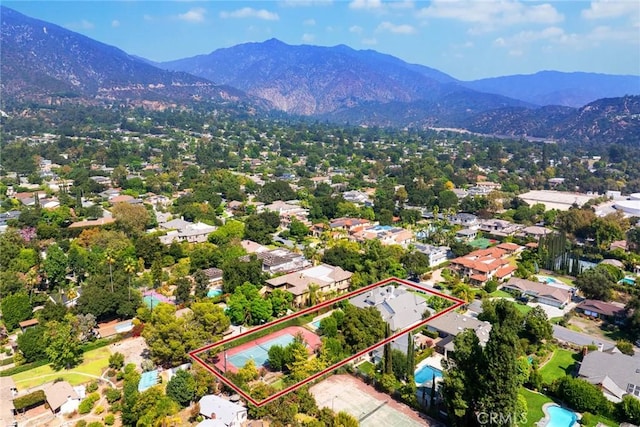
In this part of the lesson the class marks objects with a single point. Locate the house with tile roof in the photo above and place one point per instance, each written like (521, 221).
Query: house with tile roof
(328, 278)
(62, 398)
(483, 265)
(543, 293)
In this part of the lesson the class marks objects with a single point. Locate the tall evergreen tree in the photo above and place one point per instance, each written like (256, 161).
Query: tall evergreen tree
(388, 362)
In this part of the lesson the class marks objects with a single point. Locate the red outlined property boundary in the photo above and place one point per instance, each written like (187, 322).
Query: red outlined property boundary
(194, 354)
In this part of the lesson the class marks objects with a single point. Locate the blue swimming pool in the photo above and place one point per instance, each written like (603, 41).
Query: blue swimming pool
(214, 293)
(316, 324)
(560, 417)
(426, 373)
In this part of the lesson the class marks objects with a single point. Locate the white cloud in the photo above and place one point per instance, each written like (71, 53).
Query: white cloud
(308, 38)
(492, 13)
(396, 29)
(355, 29)
(194, 15)
(366, 4)
(370, 42)
(554, 35)
(600, 9)
(405, 4)
(304, 3)
(115, 23)
(606, 33)
(82, 25)
(248, 12)
(309, 22)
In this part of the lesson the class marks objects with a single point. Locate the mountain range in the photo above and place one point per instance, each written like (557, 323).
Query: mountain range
(43, 62)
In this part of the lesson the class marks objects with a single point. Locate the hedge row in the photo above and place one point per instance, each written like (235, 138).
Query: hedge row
(29, 400)
(23, 368)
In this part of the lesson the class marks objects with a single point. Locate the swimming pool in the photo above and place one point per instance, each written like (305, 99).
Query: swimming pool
(628, 281)
(560, 417)
(123, 327)
(214, 293)
(316, 324)
(426, 373)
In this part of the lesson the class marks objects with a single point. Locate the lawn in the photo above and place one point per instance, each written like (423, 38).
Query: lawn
(523, 308)
(561, 363)
(500, 294)
(94, 363)
(367, 368)
(535, 401)
(595, 419)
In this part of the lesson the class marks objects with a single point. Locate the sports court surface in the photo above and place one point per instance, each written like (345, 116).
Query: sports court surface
(370, 407)
(258, 349)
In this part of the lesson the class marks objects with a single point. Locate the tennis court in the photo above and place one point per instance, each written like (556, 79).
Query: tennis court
(259, 352)
(369, 406)
(258, 349)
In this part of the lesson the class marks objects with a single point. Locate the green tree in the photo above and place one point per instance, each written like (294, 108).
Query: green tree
(31, 344)
(416, 263)
(116, 360)
(182, 388)
(183, 291)
(55, 265)
(202, 284)
(276, 357)
(15, 309)
(537, 326)
(297, 230)
(63, 345)
(131, 219)
(595, 283)
(628, 410)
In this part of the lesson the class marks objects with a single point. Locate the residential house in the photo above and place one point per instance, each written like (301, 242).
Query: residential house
(350, 225)
(464, 219)
(279, 260)
(615, 373)
(214, 275)
(535, 232)
(387, 235)
(328, 278)
(499, 227)
(449, 325)
(215, 408)
(483, 265)
(436, 254)
(510, 248)
(467, 234)
(288, 211)
(601, 310)
(185, 231)
(543, 293)
(357, 197)
(252, 247)
(62, 398)
(398, 307)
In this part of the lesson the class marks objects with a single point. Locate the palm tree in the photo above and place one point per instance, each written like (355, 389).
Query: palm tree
(110, 259)
(313, 294)
(464, 292)
(130, 267)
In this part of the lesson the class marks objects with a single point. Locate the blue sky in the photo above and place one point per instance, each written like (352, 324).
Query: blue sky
(467, 39)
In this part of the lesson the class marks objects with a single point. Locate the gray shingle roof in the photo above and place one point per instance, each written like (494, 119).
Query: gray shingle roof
(619, 368)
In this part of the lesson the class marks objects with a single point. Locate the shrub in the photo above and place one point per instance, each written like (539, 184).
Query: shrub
(625, 347)
(99, 409)
(29, 400)
(110, 419)
(581, 395)
(92, 386)
(628, 410)
(81, 423)
(95, 424)
(112, 395)
(587, 419)
(87, 404)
